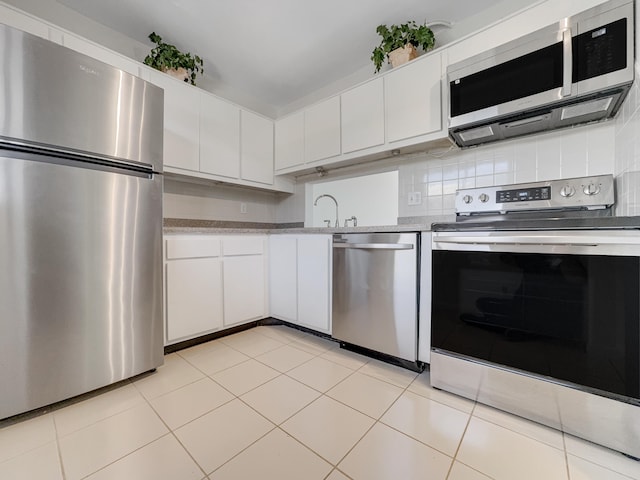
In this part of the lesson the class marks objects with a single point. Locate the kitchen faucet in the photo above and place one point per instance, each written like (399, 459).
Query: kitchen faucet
(352, 219)
(335, 201)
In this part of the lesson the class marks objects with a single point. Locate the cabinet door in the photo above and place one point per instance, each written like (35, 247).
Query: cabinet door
(283, 277)
(23, 22)
(413, 99)
(244, 289)
(256, 160)
(322, 130)
(219, 137)
(194, 297)
(314, 281)
(181, 121)
(424, 320)
(362, 110)
(99, 53)
(290, 141)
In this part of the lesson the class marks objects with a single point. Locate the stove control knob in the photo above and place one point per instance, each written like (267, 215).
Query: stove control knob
(567, 191)
(467, 199)
(591, 189)
(484, 198)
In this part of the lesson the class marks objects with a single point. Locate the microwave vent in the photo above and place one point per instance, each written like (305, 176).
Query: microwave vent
(476, 133)
(586, 108)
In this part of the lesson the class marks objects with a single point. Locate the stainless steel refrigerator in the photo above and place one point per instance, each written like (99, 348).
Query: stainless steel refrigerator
(80, 223)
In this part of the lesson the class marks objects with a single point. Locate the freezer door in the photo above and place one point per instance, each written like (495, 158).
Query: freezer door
(80, 278)
(53, 96)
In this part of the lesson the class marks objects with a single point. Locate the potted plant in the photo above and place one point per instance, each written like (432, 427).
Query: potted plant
(399, 43)
(167, 58)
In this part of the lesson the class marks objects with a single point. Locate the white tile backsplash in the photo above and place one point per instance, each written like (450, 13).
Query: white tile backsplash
(627, 159)
(575, 152)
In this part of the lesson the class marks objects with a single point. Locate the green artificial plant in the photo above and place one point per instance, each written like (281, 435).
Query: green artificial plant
(167, 57)
(397, 36)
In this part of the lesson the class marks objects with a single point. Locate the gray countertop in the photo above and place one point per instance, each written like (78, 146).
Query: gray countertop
(295, 230)
(182, 225)
(422, 224)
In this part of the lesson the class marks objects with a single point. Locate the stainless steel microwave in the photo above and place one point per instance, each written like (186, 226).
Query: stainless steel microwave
(577, 70)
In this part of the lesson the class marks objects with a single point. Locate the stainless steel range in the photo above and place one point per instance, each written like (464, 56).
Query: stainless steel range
(536, 307)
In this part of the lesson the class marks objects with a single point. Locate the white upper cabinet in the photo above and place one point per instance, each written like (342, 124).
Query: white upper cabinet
(23, 22)
(362, 110)
(181, 121)
(256, 148)
(99, 53)
(400, 108)
(289, 149)
(413, 98)
(219, 137)
(322, 130)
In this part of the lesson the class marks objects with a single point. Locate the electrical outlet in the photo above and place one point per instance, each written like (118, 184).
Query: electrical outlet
(243, 208)
(414, 198)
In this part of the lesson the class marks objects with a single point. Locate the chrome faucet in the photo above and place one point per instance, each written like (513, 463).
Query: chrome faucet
(352, 219)
(337, 224)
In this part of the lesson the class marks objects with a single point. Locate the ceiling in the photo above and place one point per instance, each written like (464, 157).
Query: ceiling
(276, 50)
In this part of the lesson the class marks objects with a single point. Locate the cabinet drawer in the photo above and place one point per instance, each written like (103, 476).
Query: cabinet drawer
(243, 245)
(192, 247)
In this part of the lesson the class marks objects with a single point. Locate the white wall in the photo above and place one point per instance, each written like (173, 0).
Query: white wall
(218, 202)
(372, 199)
(68, 19)
(627, 140)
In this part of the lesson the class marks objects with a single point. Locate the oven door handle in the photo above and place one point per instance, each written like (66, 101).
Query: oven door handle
(525, 242)
(605, 242)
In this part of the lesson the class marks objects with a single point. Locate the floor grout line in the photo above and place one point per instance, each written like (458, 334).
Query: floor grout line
(279, 426)
(455, 454)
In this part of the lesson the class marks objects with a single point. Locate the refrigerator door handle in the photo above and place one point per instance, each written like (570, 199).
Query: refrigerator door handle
(76, 160)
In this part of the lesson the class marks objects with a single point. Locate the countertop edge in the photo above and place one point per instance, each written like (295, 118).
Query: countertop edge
(297, 230)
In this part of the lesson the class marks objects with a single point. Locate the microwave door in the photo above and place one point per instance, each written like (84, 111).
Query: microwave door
(532, 71)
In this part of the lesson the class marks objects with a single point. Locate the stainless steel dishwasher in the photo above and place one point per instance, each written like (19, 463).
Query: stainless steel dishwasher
(375, 292)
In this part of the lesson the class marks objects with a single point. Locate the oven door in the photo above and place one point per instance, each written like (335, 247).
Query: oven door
(563, 305)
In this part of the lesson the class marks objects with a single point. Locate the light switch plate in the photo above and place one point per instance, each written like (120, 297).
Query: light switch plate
(414, 198)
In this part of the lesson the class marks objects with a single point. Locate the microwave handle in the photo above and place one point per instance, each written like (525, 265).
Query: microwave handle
(567, 62)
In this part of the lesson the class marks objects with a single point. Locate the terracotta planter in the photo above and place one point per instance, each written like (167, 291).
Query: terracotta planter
(402, 55)
(179, 73)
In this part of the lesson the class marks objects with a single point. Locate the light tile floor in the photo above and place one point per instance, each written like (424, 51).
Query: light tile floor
(275, 403)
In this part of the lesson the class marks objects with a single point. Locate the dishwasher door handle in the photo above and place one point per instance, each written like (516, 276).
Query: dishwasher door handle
(375, 246)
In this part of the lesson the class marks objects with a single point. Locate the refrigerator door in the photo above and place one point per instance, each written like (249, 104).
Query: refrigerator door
(54, 97)
(81, 278)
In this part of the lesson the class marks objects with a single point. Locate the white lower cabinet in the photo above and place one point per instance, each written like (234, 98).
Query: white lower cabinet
(283, 277)
(244, 289)
(424, 319)
(300, 280)
(314, 282)
(213, 282)
(194, 297)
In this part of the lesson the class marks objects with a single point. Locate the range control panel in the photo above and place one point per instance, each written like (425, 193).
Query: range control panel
(583, 192)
